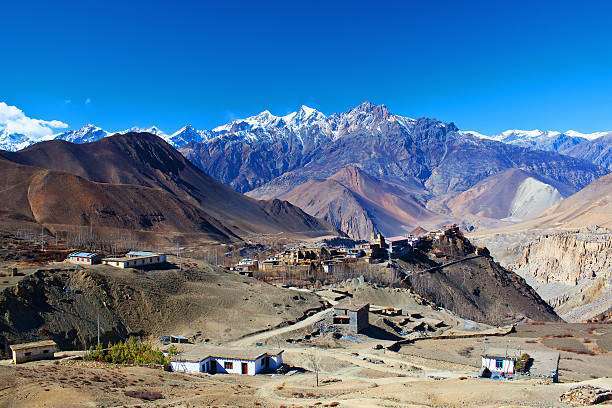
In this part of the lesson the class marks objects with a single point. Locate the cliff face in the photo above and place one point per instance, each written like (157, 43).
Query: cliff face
(567, 257)
(572, 270)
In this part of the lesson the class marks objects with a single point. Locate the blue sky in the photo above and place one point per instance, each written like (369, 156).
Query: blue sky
(485, 65)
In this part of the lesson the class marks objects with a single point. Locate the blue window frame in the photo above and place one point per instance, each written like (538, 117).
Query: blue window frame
(499, 363)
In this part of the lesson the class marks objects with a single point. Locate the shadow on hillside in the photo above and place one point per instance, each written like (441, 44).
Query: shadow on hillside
(379, 333)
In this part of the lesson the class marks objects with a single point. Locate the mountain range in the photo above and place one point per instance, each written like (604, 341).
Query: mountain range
(136, 182)
(595, 147)
(368, 169)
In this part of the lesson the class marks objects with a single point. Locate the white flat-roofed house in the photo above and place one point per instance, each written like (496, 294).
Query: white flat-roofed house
(83, 258)
(136, 259)
(38, 350)
(219, 360)
(498, 361)
(247, 264)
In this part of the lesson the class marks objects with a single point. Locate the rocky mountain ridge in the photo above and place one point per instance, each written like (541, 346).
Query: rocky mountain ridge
(138, 182)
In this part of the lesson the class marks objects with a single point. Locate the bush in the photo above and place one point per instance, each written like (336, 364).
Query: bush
(523, 364)
(130, 352)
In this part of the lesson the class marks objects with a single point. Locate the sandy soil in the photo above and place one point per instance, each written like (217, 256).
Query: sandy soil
(351, 377)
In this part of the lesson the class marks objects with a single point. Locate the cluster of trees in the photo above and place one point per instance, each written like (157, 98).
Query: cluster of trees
(131, 351)
(304, 275)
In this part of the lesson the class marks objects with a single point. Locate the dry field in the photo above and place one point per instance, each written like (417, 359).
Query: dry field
(351, 377)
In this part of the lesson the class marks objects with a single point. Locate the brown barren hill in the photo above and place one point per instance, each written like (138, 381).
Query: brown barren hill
(142, 160)
(513, 193)
(448, 272)
(358, 203)
(591, 205)
(54, 198)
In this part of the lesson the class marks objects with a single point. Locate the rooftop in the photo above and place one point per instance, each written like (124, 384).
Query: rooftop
(130, 258)
(398, 238)
(133, 254)
(202, 352)
(82, 254)
(353, 307)
(35, 344)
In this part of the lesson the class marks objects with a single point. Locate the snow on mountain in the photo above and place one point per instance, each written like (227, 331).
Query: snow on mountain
(588, 136)
(16, 141)
(87, 134)
(151, 129)
(188, 134)
(548, 140)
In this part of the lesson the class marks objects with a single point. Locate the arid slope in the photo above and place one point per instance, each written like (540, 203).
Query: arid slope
(128, 165)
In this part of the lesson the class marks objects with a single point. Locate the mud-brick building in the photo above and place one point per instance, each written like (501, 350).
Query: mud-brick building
(352, 316)
(38, 350)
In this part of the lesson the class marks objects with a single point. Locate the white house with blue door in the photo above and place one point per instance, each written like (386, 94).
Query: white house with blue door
(219, 360)
(500, 361)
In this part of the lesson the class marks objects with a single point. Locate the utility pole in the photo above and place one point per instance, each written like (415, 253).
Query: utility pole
(98, 328)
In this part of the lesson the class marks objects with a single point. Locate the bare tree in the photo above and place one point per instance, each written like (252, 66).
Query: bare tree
(314, 361)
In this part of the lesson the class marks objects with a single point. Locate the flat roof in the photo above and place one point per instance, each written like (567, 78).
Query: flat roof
(34, 344)
(82, 254)
(141, 253)
(199, 353)
(354, 307)
(132, 258)
(397, 238)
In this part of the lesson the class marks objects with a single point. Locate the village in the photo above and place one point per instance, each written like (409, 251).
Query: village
(366, 323)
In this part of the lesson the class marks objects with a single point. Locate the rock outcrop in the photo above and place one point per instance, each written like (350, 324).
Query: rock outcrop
(568, 257)
(572, 270)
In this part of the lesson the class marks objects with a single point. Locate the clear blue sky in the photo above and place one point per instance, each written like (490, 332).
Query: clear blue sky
(485, 65)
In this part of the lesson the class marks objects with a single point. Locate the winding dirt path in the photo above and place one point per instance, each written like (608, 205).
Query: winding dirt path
(259, 337)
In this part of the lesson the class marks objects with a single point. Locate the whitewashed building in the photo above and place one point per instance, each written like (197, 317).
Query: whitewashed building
(136, 259)
(219, 360)
(83, 258)
(501, 362)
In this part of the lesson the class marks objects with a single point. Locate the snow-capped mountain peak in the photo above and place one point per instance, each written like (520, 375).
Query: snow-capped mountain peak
(87, 134)
(303, 116)
(187, 134)
(588, 136)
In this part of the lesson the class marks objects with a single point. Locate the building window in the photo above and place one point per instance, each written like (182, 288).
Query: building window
(499, 363)
(228, 365)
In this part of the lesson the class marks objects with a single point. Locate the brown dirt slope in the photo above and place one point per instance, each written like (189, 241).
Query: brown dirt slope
(493, 197)
(145, 160)
(478, 289)
(359, 203)
(222, 306)
(591, 205)
(55, 198)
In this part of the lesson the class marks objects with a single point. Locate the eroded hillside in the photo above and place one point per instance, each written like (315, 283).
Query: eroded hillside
(199, 300)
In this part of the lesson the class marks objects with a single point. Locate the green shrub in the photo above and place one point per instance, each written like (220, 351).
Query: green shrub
(131, 351)
(523, 364)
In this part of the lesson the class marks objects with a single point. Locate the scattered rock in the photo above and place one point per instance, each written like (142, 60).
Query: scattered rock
(586, 395)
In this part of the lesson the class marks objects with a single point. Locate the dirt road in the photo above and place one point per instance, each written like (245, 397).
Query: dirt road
(260, 337)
